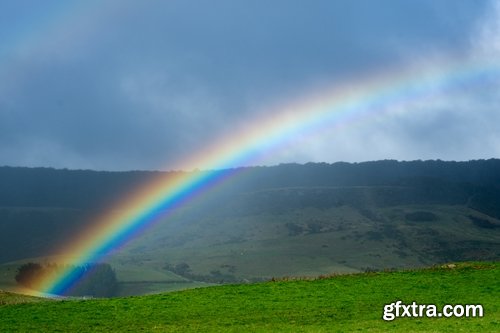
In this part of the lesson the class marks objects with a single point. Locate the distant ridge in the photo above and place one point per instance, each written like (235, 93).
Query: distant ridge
(48, 187)
(270, 220)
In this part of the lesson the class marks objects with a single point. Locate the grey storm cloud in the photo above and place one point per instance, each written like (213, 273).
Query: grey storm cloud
(139, 84)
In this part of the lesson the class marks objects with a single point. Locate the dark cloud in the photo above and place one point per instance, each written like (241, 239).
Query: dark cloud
(139, 85)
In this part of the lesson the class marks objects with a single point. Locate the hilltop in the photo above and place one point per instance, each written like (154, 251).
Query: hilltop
(265, 222)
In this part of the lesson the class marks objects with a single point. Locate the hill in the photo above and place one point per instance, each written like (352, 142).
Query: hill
(291, 219)
(329, 304)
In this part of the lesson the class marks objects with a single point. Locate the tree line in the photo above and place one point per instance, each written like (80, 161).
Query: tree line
(86, 189)
(98, 280)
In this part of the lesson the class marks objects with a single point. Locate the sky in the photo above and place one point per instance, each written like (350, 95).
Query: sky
(142, 85)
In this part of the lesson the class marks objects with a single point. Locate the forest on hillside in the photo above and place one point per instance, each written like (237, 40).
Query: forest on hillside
(40, 208)
(87, 189)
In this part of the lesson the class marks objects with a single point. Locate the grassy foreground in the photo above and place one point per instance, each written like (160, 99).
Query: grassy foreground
(342, 303)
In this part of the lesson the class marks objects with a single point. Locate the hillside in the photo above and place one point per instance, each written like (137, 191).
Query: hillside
(341, 303)
(288, 220)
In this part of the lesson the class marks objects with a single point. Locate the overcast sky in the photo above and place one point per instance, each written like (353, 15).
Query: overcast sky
(122, 85)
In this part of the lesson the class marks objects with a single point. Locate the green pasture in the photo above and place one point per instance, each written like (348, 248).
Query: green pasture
(343, 303)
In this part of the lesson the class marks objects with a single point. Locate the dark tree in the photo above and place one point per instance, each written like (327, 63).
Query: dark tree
(97, 280)
(182, 269)
(28, 274)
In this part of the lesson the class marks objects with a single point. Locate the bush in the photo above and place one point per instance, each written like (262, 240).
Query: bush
(28, 274)
(421, 216)
(97, 280)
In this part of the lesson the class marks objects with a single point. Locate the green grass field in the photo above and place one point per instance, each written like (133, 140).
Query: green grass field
(344, 303)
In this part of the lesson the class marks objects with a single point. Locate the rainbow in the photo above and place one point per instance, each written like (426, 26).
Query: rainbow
(326, 110)
(329, 110)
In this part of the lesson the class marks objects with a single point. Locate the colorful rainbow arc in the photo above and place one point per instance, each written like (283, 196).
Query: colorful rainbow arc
(329, 110)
